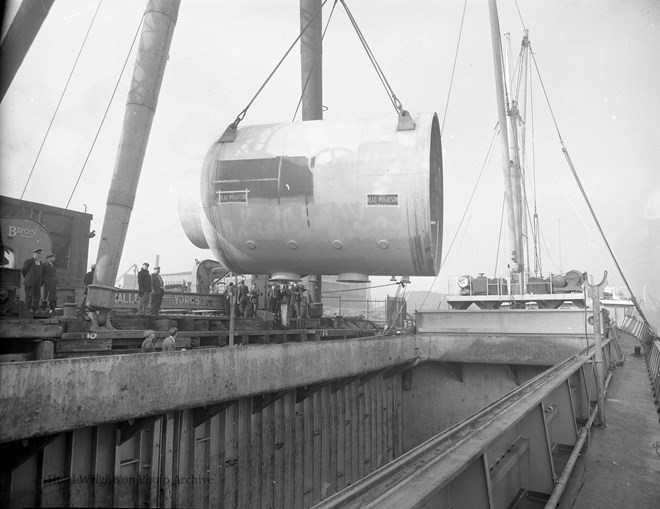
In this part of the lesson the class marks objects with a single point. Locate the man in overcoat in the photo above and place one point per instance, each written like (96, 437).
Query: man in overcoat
(157, 291)
(144, 289)
(50, 283)
(32, 271)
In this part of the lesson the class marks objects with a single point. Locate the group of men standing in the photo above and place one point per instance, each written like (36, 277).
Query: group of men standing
(287, 301)
(151, 289)
(245, 300)
(39, 274)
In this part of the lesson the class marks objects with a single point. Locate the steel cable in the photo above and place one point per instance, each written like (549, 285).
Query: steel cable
(105, 114)
(57, 108)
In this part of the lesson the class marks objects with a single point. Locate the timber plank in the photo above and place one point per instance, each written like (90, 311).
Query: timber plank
(299, 484)
(278, 453)
(256, 447)
(290, 425)
(24, 330)
(267, 457)
(231, 456)
(83, 345)
(244, 421)
(340, 426)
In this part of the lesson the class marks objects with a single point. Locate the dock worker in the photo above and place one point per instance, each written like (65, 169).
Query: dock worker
(148, 343)
(157, 291)
(169, 343)
(32, 271)
(89, 279)
(276, 300)
(243, 298)
(144, 289)
(49, 281)
(254, 299)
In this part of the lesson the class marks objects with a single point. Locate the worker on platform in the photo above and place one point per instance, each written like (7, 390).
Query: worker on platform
(148, 343)
(302, 301)
(268, 304)
(277, 300)
(232, 299)
(297, 299)
(157, 291)
(285, 308)
(89, 279)
(254, 300)
(144, 289)
(169, 343)
(50, 283)
(33, 272)
(243, 298)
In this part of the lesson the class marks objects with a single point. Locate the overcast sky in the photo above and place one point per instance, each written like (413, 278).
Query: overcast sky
(597, 58)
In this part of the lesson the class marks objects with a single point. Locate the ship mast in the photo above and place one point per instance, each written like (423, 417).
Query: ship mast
(510, 162)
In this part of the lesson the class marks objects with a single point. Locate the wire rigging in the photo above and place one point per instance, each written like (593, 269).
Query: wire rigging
(57, 108)
(467, 207)
(587, 201)
(499, 235)
(390, 92)
(243, 112)
(453, 69)
(105, 114)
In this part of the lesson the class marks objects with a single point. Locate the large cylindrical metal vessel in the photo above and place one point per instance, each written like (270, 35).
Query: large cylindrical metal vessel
(351, 199)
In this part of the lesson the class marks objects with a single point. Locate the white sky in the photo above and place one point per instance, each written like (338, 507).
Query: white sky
(598, 60)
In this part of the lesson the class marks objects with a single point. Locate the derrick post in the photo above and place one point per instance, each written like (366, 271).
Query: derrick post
(155, 40)
(311, 60)
(511, 188)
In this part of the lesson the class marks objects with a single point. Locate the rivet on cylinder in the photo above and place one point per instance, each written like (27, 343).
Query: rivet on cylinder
(383, 244)
(337, 244)
(293, 244)
(250, 244)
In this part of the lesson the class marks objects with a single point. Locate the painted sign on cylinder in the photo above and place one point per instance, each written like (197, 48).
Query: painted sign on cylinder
(351, 199)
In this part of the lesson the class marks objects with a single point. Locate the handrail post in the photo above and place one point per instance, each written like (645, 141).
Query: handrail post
(595, 291)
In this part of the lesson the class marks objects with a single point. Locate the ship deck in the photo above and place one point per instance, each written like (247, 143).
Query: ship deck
(623, 459)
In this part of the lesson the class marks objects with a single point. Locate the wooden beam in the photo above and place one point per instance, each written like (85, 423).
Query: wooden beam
(13, 454)
(204, 413)
(128, 429)
(259, 403)
(26, 330)
(304, 392)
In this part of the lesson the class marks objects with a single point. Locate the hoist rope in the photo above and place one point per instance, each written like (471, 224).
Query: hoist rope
(390, 92)
(243, 112)
(499, 235)
(57, 108)
(453, 69)
(467, 207)
(315, 62)
(105, 114)
(522, 22)
(358, 289)
(542, 239)
(586, 198)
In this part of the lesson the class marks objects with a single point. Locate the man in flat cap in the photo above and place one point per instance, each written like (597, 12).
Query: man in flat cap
(157, 291)
(49, 278)
(144, 289)
(33, 272)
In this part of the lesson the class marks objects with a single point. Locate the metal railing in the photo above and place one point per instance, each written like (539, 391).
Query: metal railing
(372, 309)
